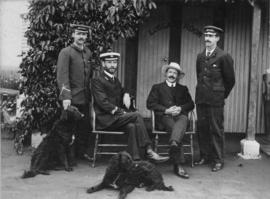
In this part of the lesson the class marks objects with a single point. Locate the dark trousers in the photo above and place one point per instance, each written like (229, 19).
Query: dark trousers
(211, 132)
(176, 126)
(83, 129)
(132, 123)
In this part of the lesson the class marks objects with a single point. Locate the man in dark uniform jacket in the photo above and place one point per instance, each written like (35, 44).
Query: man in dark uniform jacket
(171, 103)
(73, 79)
(215, 80)
(110, 104)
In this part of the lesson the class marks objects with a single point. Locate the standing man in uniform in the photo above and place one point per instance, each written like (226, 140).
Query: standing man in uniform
(111, 102)
(73, 79)
(171, 103)
(215, 80)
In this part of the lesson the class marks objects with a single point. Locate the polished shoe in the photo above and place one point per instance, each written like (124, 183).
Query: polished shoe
(201, 162)
(151, 155)
(180, 171)
(217, 166)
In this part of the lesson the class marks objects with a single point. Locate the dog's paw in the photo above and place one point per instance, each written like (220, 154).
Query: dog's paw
(69, 169)
(170, 188)
(90, 190)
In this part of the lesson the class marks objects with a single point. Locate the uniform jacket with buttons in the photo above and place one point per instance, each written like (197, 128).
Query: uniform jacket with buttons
(108, 95)
(215, 77)
(162, 97)
(73, 74)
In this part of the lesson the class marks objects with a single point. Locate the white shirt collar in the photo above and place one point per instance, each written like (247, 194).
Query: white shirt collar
(171, 84)
(211, 51)
(109, 74)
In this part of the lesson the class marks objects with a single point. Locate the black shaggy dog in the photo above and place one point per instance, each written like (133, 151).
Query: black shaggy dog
(125, 174)
(56, 145)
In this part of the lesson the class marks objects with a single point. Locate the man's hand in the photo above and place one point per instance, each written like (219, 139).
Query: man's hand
(173, 110)
(176, 111)
(170, 110)
(126, 100)
(66, 103)
(119, 112)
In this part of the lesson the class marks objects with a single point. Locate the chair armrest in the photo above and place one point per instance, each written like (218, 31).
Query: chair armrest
(132, 107)
(153, 119)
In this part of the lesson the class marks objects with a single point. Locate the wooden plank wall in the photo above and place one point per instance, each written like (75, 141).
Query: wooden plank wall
(120, 47)
(153, 48)
(237, 43)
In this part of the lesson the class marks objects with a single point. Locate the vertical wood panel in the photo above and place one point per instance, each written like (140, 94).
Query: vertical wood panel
(131, 63)
(152, 49)
(175, 32)
(120, 47)
(237, 43)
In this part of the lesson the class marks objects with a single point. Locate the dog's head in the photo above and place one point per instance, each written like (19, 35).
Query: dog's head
(122, 161)
(71, 114)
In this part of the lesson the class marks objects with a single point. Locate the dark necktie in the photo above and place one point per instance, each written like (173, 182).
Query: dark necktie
(208, 54)
(172, 89)
(112, 79)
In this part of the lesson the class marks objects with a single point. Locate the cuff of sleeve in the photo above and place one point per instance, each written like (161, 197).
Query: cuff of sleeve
(114, 110)
(163, 110)
(65, 94)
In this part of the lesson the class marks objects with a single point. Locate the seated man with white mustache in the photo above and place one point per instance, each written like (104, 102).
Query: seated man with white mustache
(171, 103)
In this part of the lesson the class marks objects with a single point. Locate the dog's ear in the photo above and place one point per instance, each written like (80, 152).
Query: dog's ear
(125, 160)
(64, 115)
(126, 154)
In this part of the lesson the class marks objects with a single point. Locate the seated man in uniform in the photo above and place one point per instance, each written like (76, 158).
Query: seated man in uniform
(110, 102)
(171, 103)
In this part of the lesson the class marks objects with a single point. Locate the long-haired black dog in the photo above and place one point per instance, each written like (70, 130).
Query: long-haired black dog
(125, 174)
(56, 145)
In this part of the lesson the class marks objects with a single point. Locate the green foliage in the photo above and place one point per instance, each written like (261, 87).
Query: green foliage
(49, 32)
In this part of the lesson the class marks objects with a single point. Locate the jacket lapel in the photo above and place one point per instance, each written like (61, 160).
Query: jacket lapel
(166, 90)
(214, 56)
(202, 57)
(109, 79)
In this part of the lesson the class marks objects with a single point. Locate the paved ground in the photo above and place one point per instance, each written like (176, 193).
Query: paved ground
(243, 179)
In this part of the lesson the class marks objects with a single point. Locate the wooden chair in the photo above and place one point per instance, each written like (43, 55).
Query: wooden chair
(99, 133)
(190, 132)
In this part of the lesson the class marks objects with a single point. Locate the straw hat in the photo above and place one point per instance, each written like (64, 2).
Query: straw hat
(175, 66)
